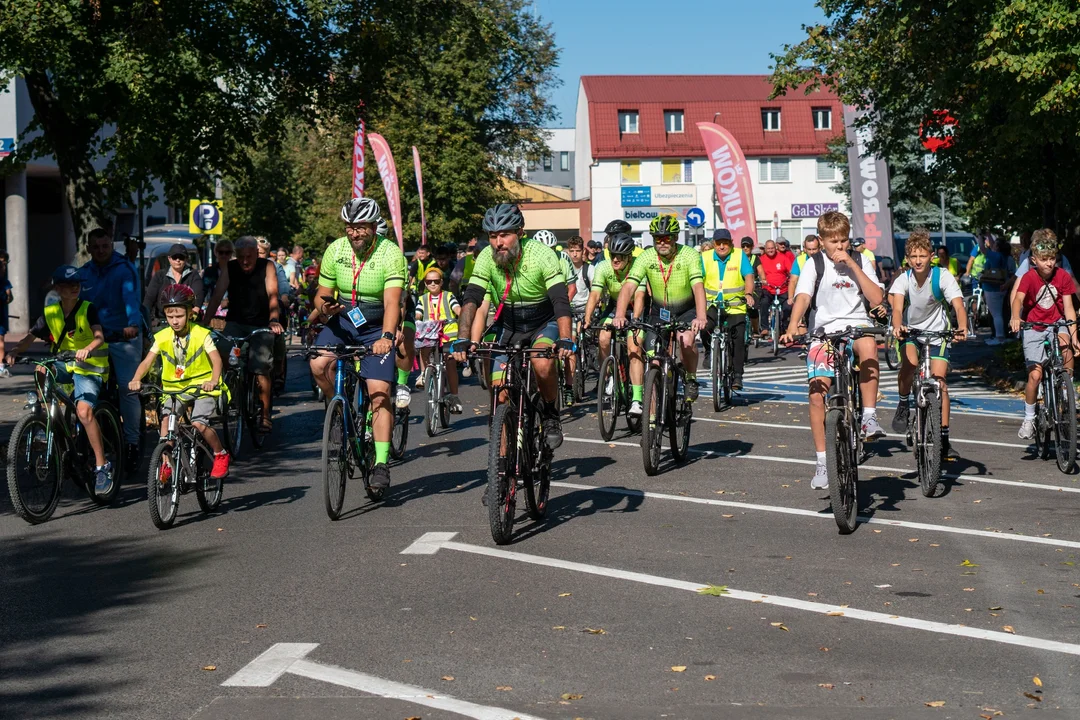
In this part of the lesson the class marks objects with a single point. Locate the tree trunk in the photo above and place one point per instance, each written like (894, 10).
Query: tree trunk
(81, 185)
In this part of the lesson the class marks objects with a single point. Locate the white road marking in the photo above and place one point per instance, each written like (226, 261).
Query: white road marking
(289, 658)
(428, 544)
(778, 600)
(815, 514)
(793, 426)
(880, 468)
(770, 397)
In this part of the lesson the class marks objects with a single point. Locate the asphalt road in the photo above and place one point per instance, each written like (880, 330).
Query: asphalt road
(967, 600)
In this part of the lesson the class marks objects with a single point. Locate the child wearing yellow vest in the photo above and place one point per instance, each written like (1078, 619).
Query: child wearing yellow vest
(188, 357)
(439, 306)
(72, 326)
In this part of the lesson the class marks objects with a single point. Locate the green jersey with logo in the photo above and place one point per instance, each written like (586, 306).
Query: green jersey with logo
(382, 267)
(670, 282)
(523, 290)
(607, 281)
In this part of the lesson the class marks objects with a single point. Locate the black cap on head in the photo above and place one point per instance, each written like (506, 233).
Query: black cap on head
(177, 249)
(747, 241)
(721, 234)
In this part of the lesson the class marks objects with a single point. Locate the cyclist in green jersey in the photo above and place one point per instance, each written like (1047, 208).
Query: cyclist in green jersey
(608, 279)
(367, 272)
(527, 281)
(673, 274)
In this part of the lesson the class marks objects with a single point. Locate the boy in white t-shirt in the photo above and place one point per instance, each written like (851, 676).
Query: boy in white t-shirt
(846, 284)
(919, 302)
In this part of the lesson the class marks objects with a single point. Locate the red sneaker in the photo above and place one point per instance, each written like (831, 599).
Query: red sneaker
(165, 473)
(221, 466)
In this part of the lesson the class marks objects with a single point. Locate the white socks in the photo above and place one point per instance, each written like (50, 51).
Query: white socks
(1029, 412)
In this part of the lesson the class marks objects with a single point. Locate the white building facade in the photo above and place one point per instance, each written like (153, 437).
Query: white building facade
(640, 154)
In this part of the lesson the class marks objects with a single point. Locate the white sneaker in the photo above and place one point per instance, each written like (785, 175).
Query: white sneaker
(466, 371)
(1027, 429)
(871, 430)
(403, 396)
(4, 372)
(635, 408)
(821, 477)
(421, 381)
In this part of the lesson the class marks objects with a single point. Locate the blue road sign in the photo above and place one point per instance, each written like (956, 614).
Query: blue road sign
(695, 217)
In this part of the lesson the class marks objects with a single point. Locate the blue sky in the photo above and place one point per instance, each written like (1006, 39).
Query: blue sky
(634, 37)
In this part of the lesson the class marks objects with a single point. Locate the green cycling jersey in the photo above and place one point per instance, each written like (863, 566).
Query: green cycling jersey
(670, 282)
(607, 281)
(382, 267)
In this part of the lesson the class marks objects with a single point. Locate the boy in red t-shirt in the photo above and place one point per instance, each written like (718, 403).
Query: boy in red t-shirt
(1044, 295)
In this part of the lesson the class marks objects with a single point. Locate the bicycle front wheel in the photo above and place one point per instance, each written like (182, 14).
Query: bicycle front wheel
(928, 446)
(208, 490)
(163, 486)
(112, 439)
(892, 352)
(335, 458)
(252, 408)
(33, 477)
(682, 414)
(232, 419)
(717, 375)
(432, 416)
(1064, 422)
(607, 398)
(843, 472)
(652, 421)
(774, 330)
(400, 437)
(502, 475)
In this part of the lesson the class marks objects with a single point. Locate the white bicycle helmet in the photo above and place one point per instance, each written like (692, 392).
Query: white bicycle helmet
(547, 237)
(360, 210)
(639, 243)
(381, 229)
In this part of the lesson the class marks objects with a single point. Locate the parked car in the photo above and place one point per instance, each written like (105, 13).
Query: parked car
(159, 239)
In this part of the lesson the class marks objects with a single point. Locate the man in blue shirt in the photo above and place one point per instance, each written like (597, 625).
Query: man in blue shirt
(729, 289)
(111, 283)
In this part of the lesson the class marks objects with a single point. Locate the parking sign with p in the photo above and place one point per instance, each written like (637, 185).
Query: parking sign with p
(204, 217)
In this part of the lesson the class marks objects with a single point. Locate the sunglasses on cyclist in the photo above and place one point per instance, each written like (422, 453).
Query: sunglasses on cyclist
(662, 238)
(433, 282)
(178, 257)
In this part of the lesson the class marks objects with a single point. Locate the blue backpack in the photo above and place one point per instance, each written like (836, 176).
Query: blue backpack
(935, 284)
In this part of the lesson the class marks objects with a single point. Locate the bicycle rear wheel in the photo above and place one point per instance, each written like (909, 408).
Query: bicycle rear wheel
(607, 398)
(112, 439)
(1064, 422)
(163, 486)
(208, 490)
(335, 458)
(652, 425)
(892, 352)
(843, 472)
(538, 477)
(232, 419)
(252, 409)
(928, 447)
(502, 475)
(399, 439)
(33, 480)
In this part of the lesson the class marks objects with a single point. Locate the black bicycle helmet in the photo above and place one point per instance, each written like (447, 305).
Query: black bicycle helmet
(621, 244)
(503, 217)
(177, 296)
(617, 226)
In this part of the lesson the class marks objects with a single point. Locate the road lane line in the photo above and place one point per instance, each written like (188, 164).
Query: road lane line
(892, 435)
(815, 514)
(879, 468)
(791, 397)
(941, 628)
(272, 664)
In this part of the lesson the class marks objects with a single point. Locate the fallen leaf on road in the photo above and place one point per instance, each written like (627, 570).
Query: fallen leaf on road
(835, 613)
(896, 564)
(812, 594)
(823, 649)
(996, 607)
(976, 501)
(678, 668)
(713, 590)
(935, 544)
(877, 531)
(1009, 629)
(969, 589)
(728, 516)
(782, 626)
(221, 529)
(597, 631)
(565, 594)
(1036, 698)
(414, 717)
(783, 486)
(260, 626)
(504, 688)
(827, 686)
(968, 563)
(559, 627)
(611, 445)
(934, 703)
(710, 677)
(721, 492)
(1037, 681)
(472, 618)
(914, 540)
(1041, 592)
(209, 667)
(571, 696)
(883, 586)
(448, 678)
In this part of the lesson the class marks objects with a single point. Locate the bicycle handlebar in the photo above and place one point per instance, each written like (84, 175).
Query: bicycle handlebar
(848, 333)
(244, 338)
(66, 356)
(150, 389)
(1045, 325)
(914, 334)
(670, 325)
(493, 349)
(340, 351)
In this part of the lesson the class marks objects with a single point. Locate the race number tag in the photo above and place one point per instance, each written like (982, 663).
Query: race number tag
(665, 314)
(357, 318)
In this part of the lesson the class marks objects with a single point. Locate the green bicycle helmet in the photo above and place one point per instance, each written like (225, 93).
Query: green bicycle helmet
(664, 225)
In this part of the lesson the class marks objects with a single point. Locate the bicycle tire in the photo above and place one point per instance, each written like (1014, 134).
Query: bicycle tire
(538, 479)
(432, 416)
(607, 404)
(892, 353)
(716, 374)
(682, 416)
(652, 424)
(633, 422)
(208, 490)
(579, 377)
(1065, 422)
(336, 458)
(399, 438)
(843, 472)
(252, 407)
(502, 478)
(929, 448)
(21, 445)
(163, 499)
(232, 421)
(481, 376)
(728, 372)
(112, 438)
(774, 330)
(444, 407)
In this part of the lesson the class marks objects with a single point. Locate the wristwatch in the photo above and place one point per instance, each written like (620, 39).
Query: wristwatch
(388, 336)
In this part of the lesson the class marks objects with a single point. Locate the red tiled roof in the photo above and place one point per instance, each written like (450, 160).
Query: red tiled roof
(738, 98)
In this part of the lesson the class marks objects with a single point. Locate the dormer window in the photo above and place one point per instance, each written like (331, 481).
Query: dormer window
(770, 119)
(628, 121)
(673, 121)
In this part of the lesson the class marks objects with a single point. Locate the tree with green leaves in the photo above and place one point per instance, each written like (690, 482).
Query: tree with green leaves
(1005, 69)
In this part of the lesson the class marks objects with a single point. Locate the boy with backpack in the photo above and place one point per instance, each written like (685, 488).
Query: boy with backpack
(1043, 295)
(837, 287)
(920, 297)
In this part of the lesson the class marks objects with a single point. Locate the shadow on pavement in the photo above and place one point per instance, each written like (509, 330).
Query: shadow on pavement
(579, 503)
(55, 588)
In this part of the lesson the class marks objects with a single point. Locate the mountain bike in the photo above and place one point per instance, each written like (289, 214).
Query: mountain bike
(244, 407)
(977, 311)
(518, 457)
(437, 409)
(924, 423)
(613, 392)
(586, 359)
(1055, 411)
(722, 360)
(843, 424)
(776, 315)
(348, 445)
(49, 443)
(664, 403)
(399, 435)
(180, 463)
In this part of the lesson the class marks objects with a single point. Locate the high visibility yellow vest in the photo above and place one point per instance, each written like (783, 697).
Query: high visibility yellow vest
(98, 361)
(733, 285)
(800, 259)
(470, 263)
(194, 368)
